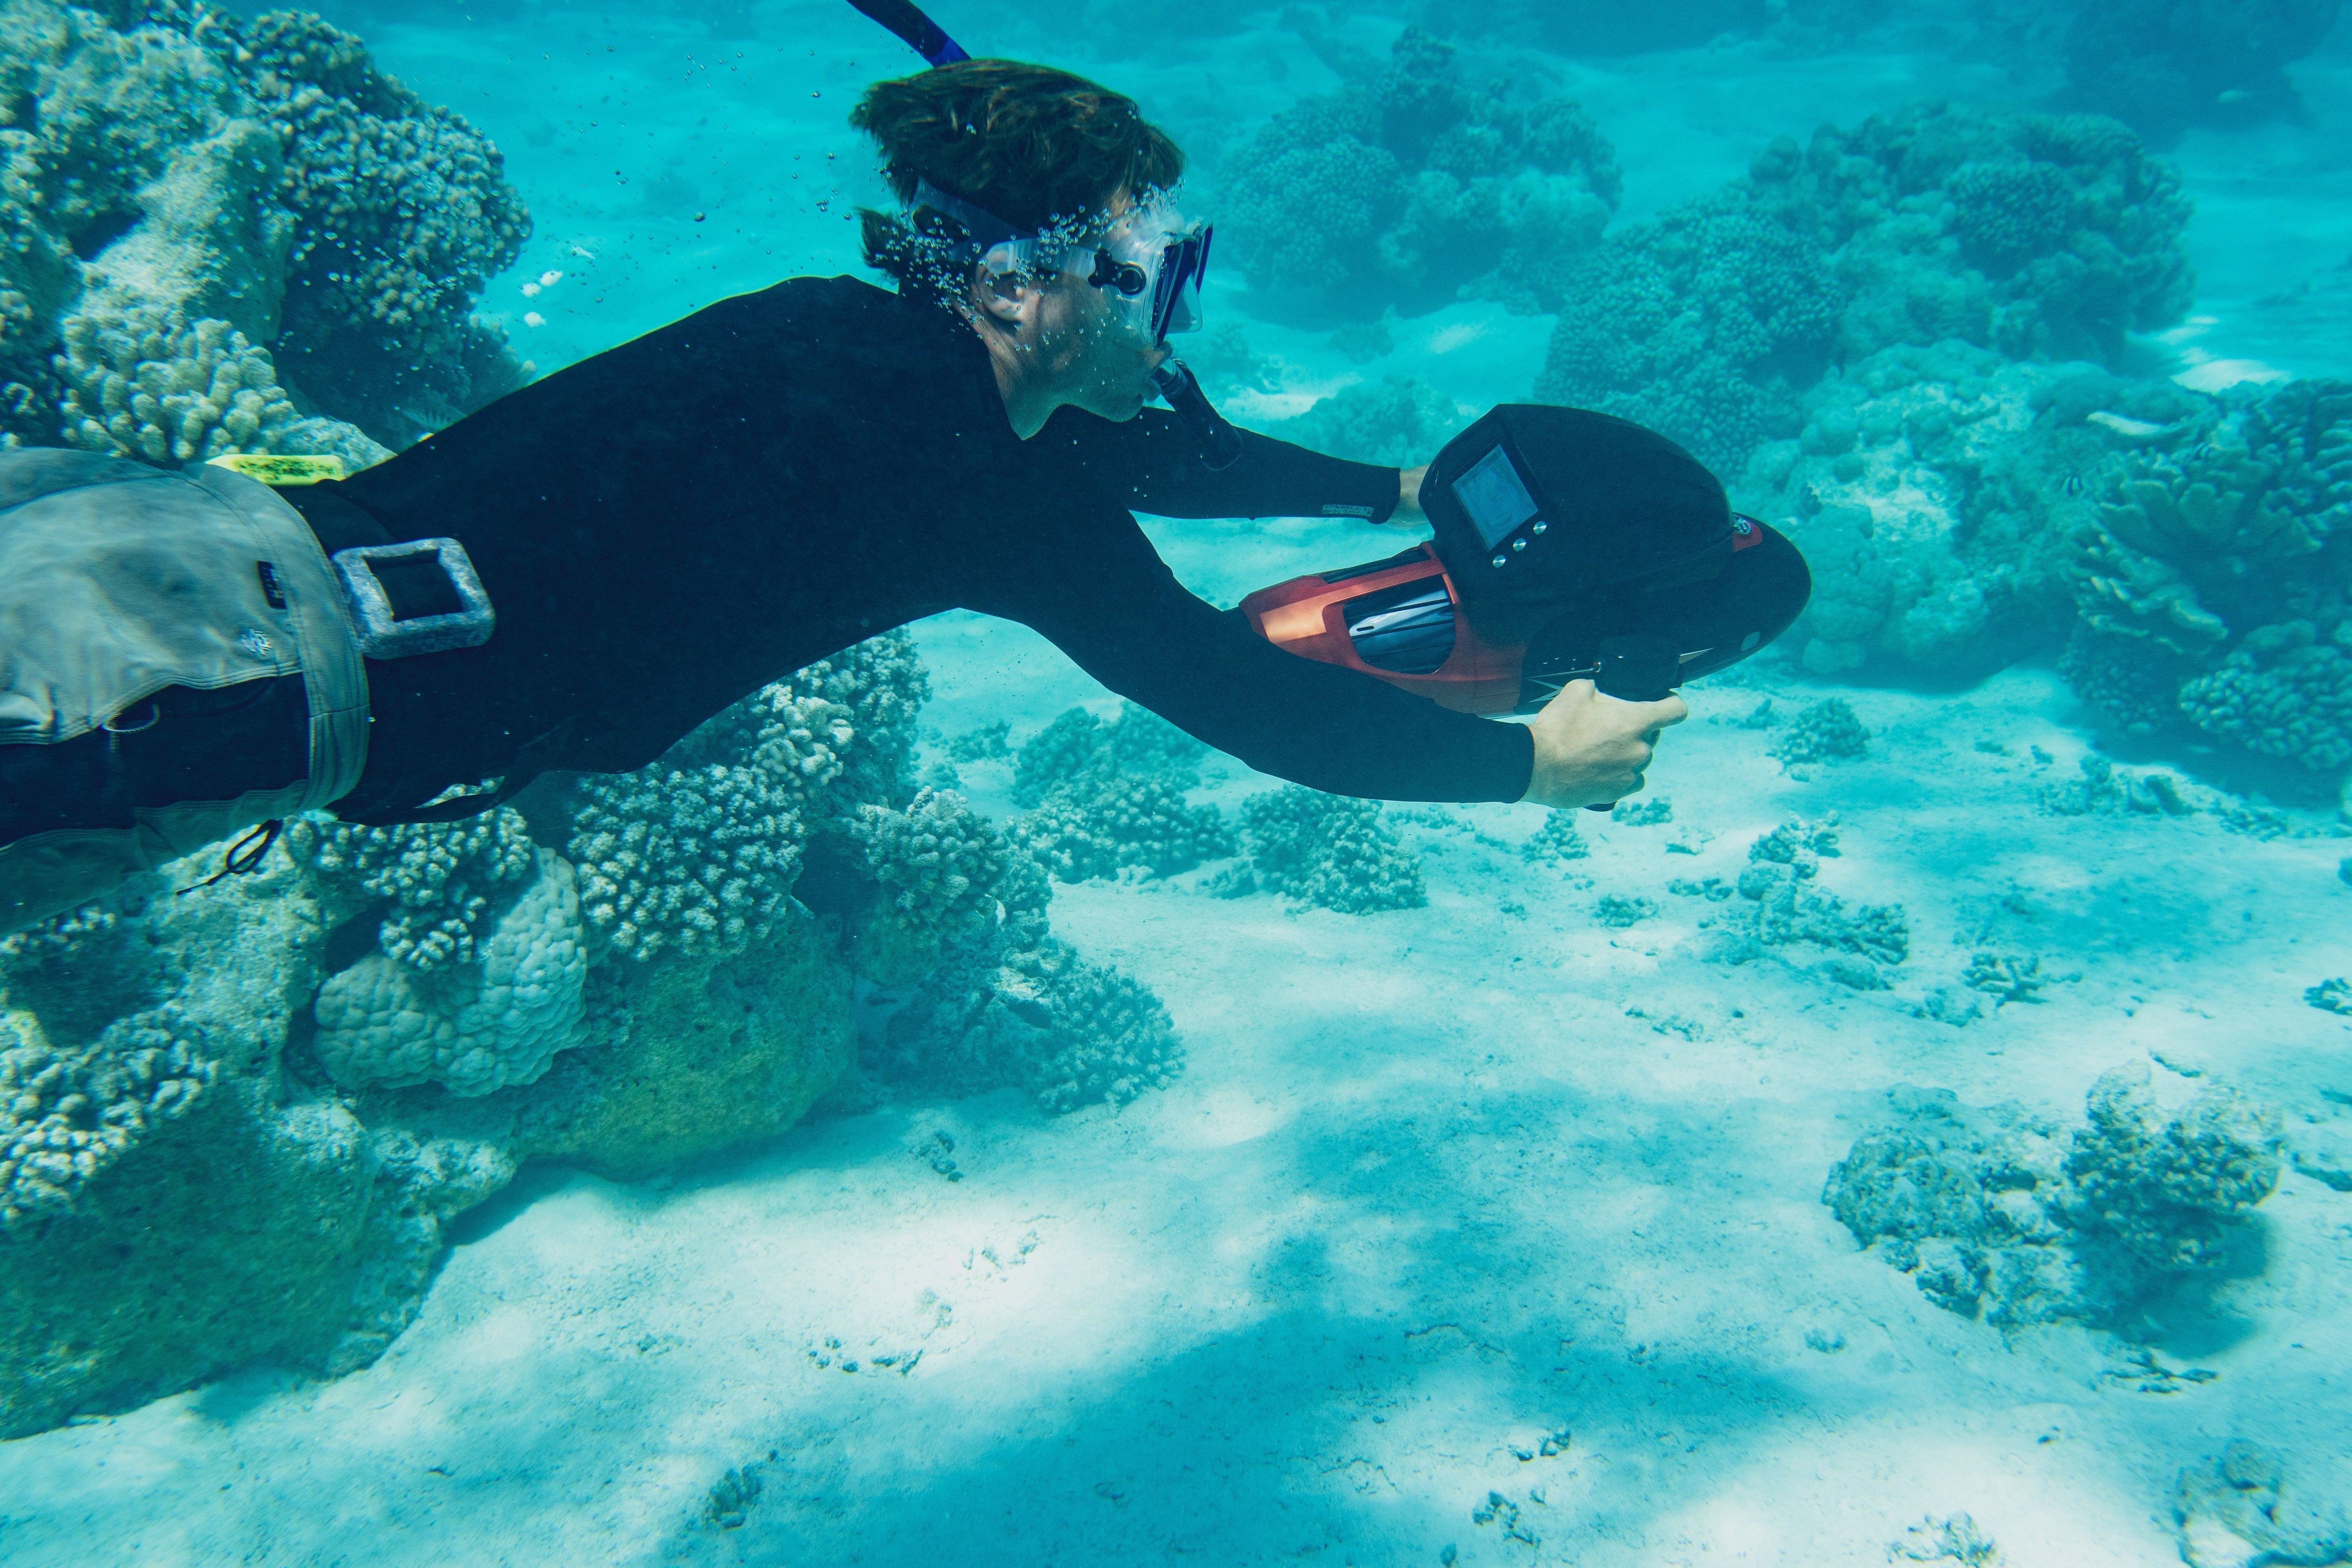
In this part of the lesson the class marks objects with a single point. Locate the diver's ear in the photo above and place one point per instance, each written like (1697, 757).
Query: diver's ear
(1006, 298)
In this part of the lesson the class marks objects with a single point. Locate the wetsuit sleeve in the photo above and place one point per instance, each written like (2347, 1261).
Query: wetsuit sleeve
(1102, 594)
(1152, 464)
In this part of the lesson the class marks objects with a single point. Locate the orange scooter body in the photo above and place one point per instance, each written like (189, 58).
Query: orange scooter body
(1311, 616)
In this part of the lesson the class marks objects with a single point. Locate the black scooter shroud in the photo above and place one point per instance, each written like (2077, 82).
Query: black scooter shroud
(1570, 545)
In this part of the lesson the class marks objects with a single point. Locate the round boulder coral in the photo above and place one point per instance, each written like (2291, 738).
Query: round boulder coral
(470, 1026)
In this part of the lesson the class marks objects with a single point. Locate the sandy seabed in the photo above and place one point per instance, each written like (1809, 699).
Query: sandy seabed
(1485, 1201)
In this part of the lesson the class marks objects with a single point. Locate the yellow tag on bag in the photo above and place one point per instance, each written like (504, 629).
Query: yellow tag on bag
(276, 470)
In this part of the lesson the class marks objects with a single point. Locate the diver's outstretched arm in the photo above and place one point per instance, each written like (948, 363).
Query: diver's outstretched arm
(1153, 463)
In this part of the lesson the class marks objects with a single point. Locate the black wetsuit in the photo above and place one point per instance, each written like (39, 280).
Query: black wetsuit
(670, 525)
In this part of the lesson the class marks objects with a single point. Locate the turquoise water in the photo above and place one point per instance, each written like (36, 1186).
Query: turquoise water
(1915, 1129)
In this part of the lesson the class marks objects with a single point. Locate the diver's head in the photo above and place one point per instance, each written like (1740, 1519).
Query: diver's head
(1038, 207)
(1058, 338)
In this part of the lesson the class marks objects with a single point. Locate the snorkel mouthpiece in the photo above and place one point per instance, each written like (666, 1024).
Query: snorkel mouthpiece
(1219, 443)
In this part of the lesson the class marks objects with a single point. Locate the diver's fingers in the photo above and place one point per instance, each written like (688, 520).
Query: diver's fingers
(1656, 716)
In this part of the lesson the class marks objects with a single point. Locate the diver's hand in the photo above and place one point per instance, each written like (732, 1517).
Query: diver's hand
(1591, 749)
(1408, 506)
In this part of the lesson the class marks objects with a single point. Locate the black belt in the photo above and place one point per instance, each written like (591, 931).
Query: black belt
(341, 525)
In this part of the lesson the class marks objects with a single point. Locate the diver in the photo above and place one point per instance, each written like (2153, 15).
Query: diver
(579, 574)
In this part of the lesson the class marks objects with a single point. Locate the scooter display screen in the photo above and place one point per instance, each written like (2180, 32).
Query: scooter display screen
(1492, 492)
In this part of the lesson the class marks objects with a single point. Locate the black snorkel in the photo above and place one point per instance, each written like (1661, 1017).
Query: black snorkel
(1220, 444)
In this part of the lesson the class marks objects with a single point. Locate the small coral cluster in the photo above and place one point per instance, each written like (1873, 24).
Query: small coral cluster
(1780, 903)
(197, 211)
(701, 859)
(1019, 1007)
(1555, 842)
(1826, 731)
(2242, 1509)
(1998, 1214)
(1107, 798)
(1327, 851)
(1408, 188)
(65, 1115)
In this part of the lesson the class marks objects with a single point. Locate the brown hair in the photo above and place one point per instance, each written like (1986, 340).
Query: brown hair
(1029, 143)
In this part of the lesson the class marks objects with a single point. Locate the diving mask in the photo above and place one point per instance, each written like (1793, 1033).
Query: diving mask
(1148, 262)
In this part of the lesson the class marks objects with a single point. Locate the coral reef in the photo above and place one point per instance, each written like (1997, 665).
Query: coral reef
(1998, 1214)
(1958, 1539)
(1960, 508)
(1328, 852)
(235, 1124)
(2133, 683)
(987, 743)
(402, 213)
(1621, 912)
(1655, 812)
(436, 883)
(1935, 490)
(2213, 578)
(187, 1229)
(2163, 67)
(1103, 823)
(2282, 692)
(2240, 1511)
(1707, 323)
(66, 1116)
(2104, 790)
(689, 1054)
(2044, 238)
(2198, 535)
(1408, 188)
(881, 685)
(937, 863)
(147, 384)
(2005, 977)
(1108, 1038)
(198, 211)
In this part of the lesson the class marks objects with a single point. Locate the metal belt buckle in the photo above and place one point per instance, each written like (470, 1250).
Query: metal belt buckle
(383, 633)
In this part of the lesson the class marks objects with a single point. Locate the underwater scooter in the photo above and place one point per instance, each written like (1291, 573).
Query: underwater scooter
(1571, 545)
